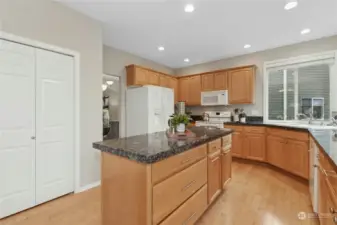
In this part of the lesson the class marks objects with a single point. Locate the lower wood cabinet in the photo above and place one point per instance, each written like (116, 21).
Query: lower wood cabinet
(237, 144)
(297, 158)
(214, 176)
(190, 211)
(275, 154)
(226, 167)
(254, 147)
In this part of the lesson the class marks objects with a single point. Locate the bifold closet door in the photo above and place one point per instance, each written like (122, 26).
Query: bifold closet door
(17, 121)
(54, 125)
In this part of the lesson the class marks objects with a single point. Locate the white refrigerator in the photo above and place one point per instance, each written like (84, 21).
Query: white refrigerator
(148, 109)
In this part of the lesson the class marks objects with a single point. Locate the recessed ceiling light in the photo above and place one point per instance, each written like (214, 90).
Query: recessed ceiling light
(290, 4)
(109, 82)
(161, 48)
(186, 60)
(247, 46)
(189, 8)
(305, 31)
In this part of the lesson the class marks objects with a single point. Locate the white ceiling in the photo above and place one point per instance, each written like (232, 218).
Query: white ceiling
(216, 29)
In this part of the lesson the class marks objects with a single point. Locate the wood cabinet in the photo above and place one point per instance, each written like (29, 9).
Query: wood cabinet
(226, 167)
(254, 146)
(207, 82)
(237, 144)
(297, 158)
(214, 176)
(275, 153)
(190, 90)
(194, 91)
(241, 86)
(220, 81)
(139, 76)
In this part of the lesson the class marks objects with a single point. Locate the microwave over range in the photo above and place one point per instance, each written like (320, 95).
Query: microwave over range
(214, 97)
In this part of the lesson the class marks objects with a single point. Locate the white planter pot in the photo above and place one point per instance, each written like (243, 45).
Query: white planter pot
(181, 128)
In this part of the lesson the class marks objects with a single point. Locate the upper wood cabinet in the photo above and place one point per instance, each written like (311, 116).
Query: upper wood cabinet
(221, 81)
(207, 82)
(138, 76)
(241, 85)
(190, 90)
(164, 81)
(194, 91)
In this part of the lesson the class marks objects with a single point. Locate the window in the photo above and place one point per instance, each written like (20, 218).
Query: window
(298, 89)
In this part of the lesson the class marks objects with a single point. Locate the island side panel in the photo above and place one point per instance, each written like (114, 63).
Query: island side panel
(126, 191)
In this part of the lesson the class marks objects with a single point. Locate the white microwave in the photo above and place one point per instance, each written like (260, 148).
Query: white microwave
(214, 97)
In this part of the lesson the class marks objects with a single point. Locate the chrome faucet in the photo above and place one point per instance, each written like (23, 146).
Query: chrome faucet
(333, 122)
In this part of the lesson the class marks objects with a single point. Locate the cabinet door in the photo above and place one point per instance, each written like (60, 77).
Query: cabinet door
(275, 154)
(184, 90)
(220, 81)
(194, 91)
(297, 158)
(153, 77)
(173, 83)
(322, 197)
(241, 86)
(255, 147)
(164, 81)
(207, 82)
(140, 76)
(237, 144)
(214, 176)
(226, 165)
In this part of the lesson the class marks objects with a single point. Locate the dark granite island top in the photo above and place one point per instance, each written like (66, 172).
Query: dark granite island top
(151, 148)
(327, 141)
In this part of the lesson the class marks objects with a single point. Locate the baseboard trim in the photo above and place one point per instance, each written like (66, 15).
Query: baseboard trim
(89, 186)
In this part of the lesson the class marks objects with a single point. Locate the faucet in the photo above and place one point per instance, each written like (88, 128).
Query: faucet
(333, 122)
(311, 118)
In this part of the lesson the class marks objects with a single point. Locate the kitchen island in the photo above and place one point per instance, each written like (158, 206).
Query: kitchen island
(153, 179)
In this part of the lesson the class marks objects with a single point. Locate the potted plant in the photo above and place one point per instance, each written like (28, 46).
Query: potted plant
(179, 121)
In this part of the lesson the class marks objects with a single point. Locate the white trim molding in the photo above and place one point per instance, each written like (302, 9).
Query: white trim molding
(329, 57)
(89, 186)
(76, 55)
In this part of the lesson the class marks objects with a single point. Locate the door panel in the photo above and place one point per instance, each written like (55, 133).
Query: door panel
(241, 86)
(207, 82)
(184, 90)
(17, 110)
(54, 128)
(226, 166)
(255, 147)
(297, 158)
(237, 140)
(276, 154)
(220, 81)
(194, 90)
(214, 177)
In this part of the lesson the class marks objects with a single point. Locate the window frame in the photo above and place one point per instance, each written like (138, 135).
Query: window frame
(328, 55)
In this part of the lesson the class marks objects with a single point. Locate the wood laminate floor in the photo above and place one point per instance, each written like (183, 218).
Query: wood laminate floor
(257, 195)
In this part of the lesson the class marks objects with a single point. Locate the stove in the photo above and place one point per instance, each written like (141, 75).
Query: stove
(216, 119)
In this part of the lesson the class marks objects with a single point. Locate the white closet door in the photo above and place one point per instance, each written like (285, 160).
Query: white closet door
(17, 118)
(54, 125)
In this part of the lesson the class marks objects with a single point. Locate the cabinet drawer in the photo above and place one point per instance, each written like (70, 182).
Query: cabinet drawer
(190, 211)
(290, 134)
(234, 127)
(227, 140)
(254, 129)
(214, 146)
(172, 192)
(163, 169)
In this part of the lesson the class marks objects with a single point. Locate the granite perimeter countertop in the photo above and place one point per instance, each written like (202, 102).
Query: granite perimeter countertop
(288, 126)
(327, 141)
(151, 148)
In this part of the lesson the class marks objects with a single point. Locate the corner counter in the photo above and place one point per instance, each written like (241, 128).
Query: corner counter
(152, 179)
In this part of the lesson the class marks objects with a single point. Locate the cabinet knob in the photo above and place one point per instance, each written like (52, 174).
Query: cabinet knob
(332, 211)
(33, 137)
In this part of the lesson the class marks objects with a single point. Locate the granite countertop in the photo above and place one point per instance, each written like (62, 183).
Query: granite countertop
(151, 148)
(327, 140)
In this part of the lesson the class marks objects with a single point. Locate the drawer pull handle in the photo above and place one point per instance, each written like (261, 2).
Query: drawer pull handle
(188, 185)
(185, 161)
(188, 219)
(330, 173)
(215, 159)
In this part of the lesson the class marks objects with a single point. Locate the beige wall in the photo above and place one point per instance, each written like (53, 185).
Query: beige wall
(114, 62)
(55, 24)
(258, 59)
